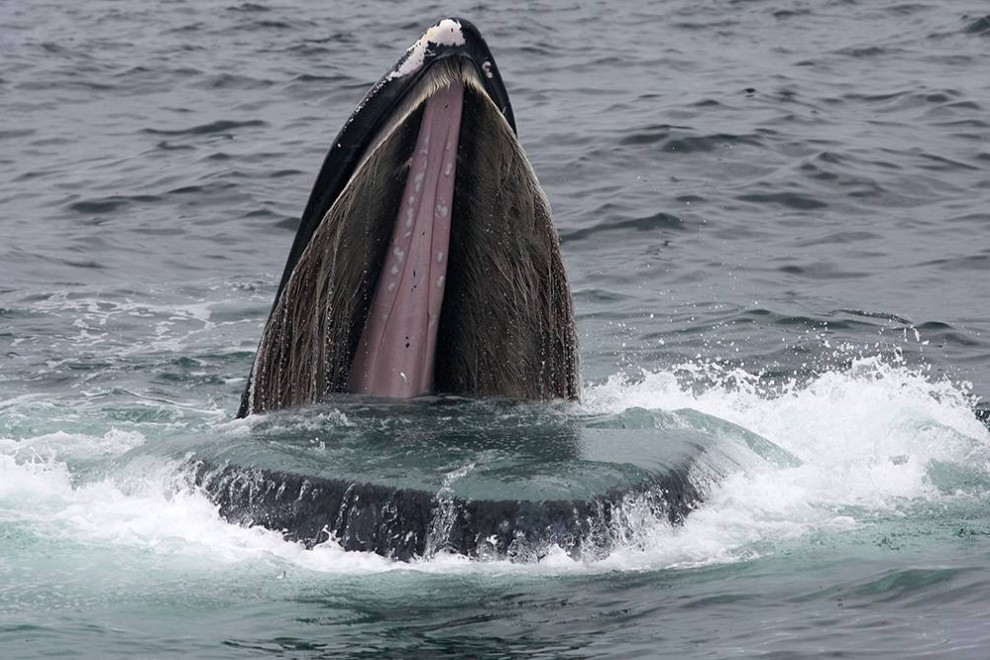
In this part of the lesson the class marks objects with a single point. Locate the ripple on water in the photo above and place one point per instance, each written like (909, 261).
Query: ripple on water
(218, 126)
(979, 26)
(791, 200)
(231, 81)
(657, 221)
(678, 139)
(110, 204)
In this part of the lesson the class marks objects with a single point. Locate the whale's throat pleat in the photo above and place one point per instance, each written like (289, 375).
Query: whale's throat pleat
(396, 354)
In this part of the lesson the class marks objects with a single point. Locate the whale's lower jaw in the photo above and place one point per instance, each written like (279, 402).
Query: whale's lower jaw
(406, 524)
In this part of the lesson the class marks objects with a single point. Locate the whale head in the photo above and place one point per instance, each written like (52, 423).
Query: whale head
(426, 260)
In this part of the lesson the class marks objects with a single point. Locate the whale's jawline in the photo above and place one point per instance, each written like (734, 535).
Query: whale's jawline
(402, 523)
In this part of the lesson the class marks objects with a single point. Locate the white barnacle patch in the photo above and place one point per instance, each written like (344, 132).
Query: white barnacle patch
(447, 32)
(448, 167)
(440, 281)
(440, 257)
(487, 68)
(442, 210)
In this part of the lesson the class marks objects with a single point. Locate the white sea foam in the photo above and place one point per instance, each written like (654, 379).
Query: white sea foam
(867, 436)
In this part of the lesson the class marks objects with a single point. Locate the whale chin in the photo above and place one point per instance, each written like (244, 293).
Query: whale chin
(435, 268)
(488, 480)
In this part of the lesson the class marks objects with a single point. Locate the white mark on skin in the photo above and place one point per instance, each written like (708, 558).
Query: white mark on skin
(487, 68)
(439, 257)
(403, 374)
(448, 168)
(440, 282)
(443, 210)
(447, 32)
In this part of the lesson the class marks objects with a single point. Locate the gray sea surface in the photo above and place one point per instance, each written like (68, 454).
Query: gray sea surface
(775, 216)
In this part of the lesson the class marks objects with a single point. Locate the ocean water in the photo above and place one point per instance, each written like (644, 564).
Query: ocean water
(774, 215)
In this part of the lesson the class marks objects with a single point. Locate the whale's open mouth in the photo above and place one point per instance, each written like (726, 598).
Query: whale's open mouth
(427, 260)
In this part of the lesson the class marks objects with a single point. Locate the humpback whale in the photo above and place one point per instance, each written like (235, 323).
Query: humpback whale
(426, 259)
(426, 262)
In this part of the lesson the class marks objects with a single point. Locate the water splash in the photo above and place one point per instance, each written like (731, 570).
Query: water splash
(445, 513)
(874, 442)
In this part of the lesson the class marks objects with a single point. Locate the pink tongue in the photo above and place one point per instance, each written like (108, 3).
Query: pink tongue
(397, 351)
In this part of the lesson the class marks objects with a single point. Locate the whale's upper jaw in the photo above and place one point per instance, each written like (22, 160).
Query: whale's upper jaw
(506, 325)
(454, 37)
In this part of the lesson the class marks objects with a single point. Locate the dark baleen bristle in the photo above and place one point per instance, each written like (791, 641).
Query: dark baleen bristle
(309, 341)
(507, 324)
